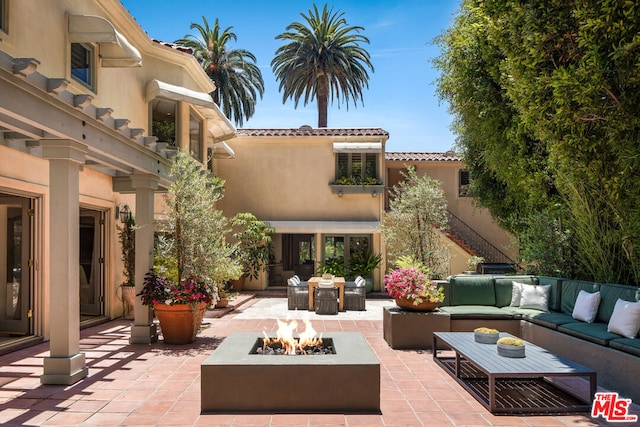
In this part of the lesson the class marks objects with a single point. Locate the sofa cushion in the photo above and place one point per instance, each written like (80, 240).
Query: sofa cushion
(609, 294)
(504, 287)
(569, 293)
(548, 319)
(586, 307)
(594, 332)
(476, 312)
(472, 289)
(628, 345)
(554, 292)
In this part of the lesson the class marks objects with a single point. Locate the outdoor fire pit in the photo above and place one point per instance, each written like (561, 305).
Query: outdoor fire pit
(344, 378)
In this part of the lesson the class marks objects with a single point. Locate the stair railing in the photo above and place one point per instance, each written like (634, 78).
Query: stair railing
(475, 241)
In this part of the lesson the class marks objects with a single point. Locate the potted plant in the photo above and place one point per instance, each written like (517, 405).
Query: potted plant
(333, 266)
(413, 290)
(253, 238)
(485, 335)
(127, 239)
(226, 293)
(511, 347)
(472, 264)
(193, 257)
(179, 305)
(363, 264)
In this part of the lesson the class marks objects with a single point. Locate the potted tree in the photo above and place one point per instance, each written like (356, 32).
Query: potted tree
(253, 250)
(363, 264)
(127, 239)
(194, 257)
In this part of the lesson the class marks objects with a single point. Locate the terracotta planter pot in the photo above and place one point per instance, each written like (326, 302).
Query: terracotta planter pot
(407, 304)
(179, 323)
(238, 285)
(222, 303)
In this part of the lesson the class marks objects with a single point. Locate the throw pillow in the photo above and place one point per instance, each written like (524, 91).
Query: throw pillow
(625, 319)
(586, 306)
(516, 294)
(296, 279)
(535, 297)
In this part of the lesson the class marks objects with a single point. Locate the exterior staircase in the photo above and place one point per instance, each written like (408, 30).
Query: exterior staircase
(473, 243)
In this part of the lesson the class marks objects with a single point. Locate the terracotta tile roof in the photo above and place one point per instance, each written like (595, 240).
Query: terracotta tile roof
(309, 131)
(174, 46)
(449, 156)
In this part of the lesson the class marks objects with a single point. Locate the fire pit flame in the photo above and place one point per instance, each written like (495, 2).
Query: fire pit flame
(284, 337)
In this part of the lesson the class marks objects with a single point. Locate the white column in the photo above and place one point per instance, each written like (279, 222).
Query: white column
(143, 331)
(65, 364)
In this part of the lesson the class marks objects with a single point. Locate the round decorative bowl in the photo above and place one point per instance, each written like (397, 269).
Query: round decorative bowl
(486, 338)
(511, 350)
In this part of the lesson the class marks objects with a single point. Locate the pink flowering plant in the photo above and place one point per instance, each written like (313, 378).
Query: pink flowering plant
(161, 290)
(414, 285)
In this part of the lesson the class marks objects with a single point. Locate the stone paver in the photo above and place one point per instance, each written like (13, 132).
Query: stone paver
(160, 384)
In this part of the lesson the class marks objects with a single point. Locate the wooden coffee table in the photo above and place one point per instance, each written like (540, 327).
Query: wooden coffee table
(512, 385)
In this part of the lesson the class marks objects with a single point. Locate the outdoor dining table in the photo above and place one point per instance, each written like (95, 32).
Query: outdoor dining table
(338, 282)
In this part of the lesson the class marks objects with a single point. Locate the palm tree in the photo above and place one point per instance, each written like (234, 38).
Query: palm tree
(322, 59)
(237, 78)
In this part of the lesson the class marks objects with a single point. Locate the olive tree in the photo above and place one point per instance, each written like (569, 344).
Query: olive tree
(193, 237)
(413, 226)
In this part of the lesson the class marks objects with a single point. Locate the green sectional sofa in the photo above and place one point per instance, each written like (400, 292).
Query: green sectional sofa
(472, 301)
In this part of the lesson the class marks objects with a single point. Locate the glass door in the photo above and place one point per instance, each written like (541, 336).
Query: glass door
(91, 262)
(15, 271)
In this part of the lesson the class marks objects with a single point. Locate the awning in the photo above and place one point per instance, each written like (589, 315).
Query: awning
(219, 127)
(222, 151)
(115, 49)
(358, 147)
(332, 227)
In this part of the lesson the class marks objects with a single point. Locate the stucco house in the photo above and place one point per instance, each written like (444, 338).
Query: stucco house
(78, 115)
(288, 177)
(325, 192)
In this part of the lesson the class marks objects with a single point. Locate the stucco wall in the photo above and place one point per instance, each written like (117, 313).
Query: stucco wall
(478, 218)
(287, 179)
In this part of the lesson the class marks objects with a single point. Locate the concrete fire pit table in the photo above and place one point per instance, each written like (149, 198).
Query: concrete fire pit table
(233, 380)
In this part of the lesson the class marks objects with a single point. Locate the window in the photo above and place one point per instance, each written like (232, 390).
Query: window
(4, 12)
(82, 63)
(463, 183)
(195, 135)
(340, 249)
(163, 120)
(357, 168)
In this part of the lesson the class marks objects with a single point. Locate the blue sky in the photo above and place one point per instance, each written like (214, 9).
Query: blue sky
(401, 96)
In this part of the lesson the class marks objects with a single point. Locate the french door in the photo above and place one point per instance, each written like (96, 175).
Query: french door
(15, 265)
(91, 262)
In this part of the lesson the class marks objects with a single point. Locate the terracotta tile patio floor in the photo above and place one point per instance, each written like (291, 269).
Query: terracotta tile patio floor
(159, 385)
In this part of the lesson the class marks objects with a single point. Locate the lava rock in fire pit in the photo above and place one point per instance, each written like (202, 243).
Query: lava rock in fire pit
(275, 349)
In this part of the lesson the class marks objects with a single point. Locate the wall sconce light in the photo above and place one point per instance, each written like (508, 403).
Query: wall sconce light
(123, 213)
(340, 193)
(374, 193)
